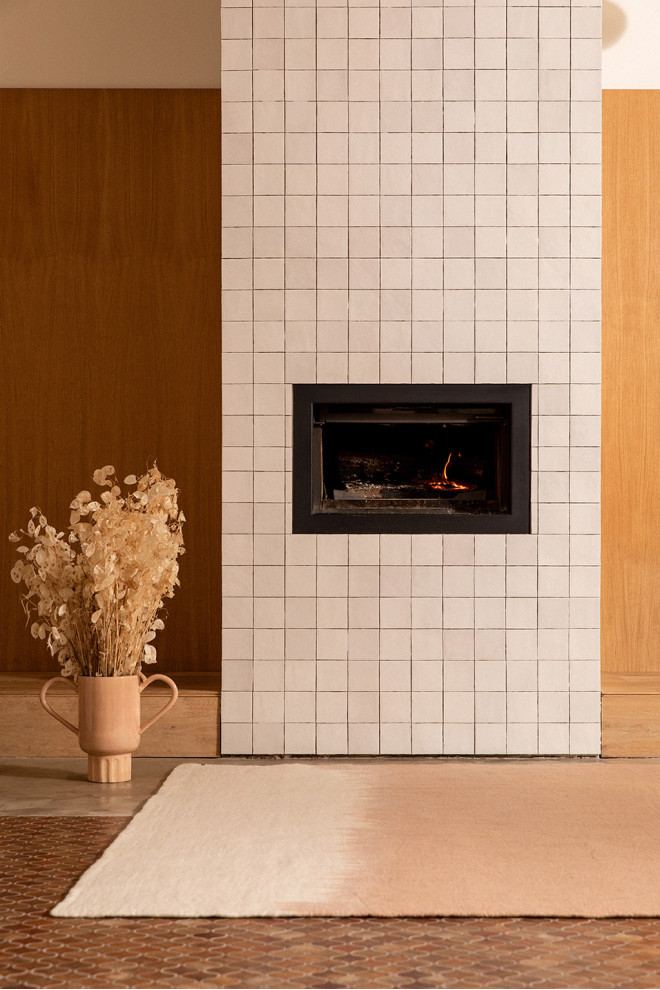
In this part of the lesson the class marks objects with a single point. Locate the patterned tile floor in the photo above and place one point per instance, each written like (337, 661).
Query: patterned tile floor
(41, 857)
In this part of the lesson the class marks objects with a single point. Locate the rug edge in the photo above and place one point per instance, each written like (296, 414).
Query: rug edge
(62, 909)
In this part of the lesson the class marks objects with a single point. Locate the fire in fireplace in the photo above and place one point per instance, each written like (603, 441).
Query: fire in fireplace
(411, 458)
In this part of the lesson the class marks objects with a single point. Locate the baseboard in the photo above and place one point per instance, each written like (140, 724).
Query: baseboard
(631, 725)
(190, 728)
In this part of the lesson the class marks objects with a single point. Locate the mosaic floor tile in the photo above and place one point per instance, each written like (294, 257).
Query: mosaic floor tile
(41, 857)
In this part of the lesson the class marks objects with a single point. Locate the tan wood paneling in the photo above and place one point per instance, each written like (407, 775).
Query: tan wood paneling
(110, 343)
(631, 424)
(631, 381)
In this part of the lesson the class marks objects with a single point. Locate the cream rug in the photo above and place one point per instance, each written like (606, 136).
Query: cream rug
(535, 837)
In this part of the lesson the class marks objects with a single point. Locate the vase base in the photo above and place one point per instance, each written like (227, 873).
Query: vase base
(109, 769)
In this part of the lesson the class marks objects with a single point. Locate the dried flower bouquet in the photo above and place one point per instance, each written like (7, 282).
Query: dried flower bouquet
(95, 596)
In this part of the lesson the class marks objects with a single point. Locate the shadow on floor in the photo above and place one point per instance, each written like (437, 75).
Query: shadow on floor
(39, 772)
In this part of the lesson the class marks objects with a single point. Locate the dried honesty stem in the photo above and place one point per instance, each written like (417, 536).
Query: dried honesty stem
(95, 596)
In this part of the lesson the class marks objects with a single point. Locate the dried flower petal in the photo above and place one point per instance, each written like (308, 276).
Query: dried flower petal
(95, 593)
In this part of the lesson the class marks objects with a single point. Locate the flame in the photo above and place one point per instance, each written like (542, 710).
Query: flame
(443, 483)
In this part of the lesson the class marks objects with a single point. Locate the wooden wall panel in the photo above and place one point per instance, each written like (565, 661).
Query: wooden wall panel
(110, 344)
(631, 423)
(631, 381)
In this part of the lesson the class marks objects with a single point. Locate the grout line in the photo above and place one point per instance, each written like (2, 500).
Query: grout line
(474, 359)
(570, 351)
(538, 324)
(284, 345)
(252, 315)
(506, 355)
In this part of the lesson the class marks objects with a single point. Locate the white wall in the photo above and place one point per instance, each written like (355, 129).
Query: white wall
(411, 194)
(631, 44)
(110, 43)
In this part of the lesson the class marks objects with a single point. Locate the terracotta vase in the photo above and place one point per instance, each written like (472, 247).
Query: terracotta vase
(109, 727)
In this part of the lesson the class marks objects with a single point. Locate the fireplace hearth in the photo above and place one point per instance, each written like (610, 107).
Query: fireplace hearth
(411, 458)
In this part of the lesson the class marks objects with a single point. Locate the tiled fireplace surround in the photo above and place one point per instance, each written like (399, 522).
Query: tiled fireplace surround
(411, 194)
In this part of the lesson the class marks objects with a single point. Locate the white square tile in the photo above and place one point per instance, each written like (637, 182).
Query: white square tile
(331, 676)
(489, 613)
(395, 643)
(585, 675)
(395, 738)
(427, 54)
(554, 677)
(585, 549)
(458, 644)
(585, 739)
(459, 739)
(237, 674)
(459, 707)
(299, 739)
(553, 613)
(554, 739)
(363, 707)
(236, 739)
(553, 645)
(490, 676)
(490, 644)
(331, 644)
(331, 740)
(395, 675)
(363, 675)
(237, 706)
(331, 707)
(395, 706)
(426, 645)
(522, 739)
(363, 613)
(363, 739)
(489, 581)
(300, 674)
(427, 739)
(459, 613)
(490, 739)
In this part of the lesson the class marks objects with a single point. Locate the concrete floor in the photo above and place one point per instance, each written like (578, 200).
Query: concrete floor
(59, 787)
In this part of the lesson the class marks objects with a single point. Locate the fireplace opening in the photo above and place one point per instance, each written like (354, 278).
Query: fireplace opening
(397, 458)
(414, 458)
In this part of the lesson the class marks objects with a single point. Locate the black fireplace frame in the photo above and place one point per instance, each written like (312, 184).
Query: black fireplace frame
(307, 518)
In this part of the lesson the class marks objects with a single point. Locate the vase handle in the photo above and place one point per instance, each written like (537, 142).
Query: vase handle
(175, 694)
(42, 699)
